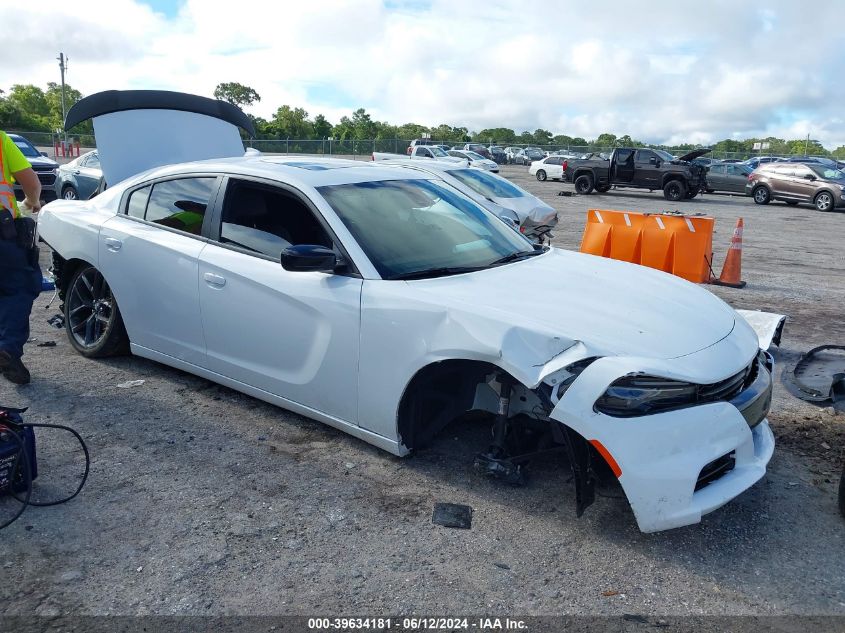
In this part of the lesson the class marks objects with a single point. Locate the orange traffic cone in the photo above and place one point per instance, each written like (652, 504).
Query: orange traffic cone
(732, 270)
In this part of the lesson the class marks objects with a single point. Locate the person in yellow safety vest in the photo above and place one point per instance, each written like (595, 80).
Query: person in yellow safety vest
(20, 279)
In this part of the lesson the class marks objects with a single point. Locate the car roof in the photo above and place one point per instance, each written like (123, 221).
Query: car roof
(302, 170)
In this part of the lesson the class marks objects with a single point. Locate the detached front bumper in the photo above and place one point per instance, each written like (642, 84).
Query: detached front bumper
(679, 465)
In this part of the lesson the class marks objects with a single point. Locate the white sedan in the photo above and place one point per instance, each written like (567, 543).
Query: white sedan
(475, 160)
(389, 305)
(549, 167)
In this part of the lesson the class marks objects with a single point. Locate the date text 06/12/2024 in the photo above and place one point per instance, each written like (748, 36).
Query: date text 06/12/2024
(415, 624)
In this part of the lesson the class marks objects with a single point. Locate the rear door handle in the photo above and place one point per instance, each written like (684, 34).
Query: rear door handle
(215, 281)
(113, 244)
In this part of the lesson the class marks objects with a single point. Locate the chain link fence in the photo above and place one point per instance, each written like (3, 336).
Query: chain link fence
(363, 149)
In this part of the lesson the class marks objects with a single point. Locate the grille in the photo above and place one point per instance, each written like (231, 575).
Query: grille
(728, 389)
(46, 178)
(714, 470)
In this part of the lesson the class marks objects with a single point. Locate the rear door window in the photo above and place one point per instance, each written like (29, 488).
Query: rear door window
(180, 204)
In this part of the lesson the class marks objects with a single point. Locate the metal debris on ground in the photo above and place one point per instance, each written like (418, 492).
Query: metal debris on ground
(47, 344)
(57, 321)
(452, 515)
(566, 193)
(130, 383)
(819, 376)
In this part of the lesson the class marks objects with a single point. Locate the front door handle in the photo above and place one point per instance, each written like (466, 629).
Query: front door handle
(215, 281)
(113, 244)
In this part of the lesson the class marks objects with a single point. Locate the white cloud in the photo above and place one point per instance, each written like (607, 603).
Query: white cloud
(665, 72)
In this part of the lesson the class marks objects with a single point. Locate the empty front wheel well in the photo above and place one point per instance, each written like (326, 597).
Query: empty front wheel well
(436, 395)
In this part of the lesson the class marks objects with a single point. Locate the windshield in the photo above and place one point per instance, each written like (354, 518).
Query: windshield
(487, 184)
(474, 156)
(437, 152)
(666, 156)
(26, 149)
(407, 226)
(827, 172)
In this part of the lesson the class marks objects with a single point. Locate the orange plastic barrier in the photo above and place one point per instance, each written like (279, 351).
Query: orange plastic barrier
(681, 245)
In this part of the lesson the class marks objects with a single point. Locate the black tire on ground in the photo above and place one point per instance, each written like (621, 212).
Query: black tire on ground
(92, 319)
(824, 201)
(710, 190)
(791, 203)
(541, 175)
(675, 190)
(584, 184)
(602, 188)
(69, 192)
(691, 194)
(761, 195)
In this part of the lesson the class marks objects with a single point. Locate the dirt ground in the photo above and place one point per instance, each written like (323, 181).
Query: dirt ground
(202, 500)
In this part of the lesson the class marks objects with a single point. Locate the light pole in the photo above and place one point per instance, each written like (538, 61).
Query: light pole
(62, 67)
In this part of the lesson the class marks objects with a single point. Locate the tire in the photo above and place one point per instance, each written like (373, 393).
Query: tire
(69, 192)
(675, 190)
(792, 203)
(761, 195)
(541, 175)
(824, 201)
(602, 188)
(691, 194)
(584, 184)
(710, 190)
(92, 319)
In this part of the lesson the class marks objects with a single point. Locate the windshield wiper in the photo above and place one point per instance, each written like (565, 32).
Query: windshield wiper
(436, 272)
(516, 256)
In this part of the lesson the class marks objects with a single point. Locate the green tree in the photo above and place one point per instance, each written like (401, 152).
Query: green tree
(410, 131)
(542, 137)
(322, 128)
(236, 94)
(362, 124)
(292, 123)
(605, 139)
(53, 97)
(495, 135)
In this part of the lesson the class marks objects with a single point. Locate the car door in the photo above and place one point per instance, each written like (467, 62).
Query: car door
(624, 165)
(88, 175)
(291, 334)
(646, 170)
(149, 255)
(716, 177)
(802, 183)
(736, 178)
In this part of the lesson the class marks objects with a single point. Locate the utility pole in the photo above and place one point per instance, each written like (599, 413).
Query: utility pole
(806, 143)
(62, 67)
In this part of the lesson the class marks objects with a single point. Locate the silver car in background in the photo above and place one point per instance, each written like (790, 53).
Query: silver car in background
(523, 211)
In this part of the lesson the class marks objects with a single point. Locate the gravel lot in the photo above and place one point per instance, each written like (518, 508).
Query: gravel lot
(205, 501)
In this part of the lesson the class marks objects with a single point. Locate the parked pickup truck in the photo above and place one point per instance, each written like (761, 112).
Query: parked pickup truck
(421, 151)
(642, 168)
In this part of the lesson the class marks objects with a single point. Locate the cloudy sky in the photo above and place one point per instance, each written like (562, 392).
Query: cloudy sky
(664, 71)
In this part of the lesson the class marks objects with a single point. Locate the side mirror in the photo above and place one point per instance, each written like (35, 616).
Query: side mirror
(43, 153)
(809, 177)
(308, 257)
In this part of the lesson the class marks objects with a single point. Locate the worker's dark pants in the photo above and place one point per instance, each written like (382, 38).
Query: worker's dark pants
(20, 283)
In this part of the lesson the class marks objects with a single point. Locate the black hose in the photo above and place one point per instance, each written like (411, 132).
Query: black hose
(22, 455)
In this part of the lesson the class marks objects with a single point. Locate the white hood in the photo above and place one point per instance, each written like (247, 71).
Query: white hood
(137, 130)
(530, 208)
(643, 312)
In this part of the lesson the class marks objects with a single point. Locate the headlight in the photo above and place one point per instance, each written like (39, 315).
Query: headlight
(635, 396)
